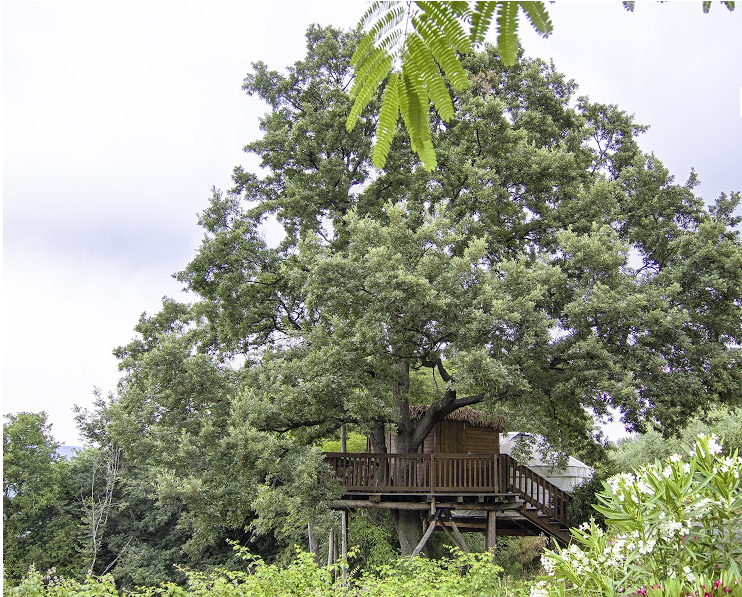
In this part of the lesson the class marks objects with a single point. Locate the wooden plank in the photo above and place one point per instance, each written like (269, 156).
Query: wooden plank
(344, 543)
(453, 539)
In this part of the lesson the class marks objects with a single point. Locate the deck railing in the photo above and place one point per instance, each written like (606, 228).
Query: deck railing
(450, 474)
(416, 473)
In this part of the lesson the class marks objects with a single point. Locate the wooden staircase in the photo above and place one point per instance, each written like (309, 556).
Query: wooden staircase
(541, 502)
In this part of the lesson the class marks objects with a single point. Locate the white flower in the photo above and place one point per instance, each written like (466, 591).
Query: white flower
(714, 448)
(675, 458)
(686, 468)
(689, 576)
(539, 589)
(643, 487)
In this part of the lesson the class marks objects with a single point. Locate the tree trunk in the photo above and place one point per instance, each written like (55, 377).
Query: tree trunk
(409, 530)
(313, 542)
(410, 436)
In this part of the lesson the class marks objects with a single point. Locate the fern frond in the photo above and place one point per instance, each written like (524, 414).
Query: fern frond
(388, 116)
(368, 86)
(507, 26)
(538, 17)
(729, 4)
(374, 61)
(443, 53)
(390, 19)
(413, 105)
(706, 7)
(629, 5)
(447, 21)
(376, 8)
(429, 73)
(480, 21)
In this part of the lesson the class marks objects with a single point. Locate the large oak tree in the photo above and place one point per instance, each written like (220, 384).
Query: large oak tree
(547, 269)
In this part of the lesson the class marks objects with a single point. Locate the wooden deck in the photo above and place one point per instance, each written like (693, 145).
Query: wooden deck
(475, 481)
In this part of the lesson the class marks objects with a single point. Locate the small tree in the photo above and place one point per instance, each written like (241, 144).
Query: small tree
(39, 517)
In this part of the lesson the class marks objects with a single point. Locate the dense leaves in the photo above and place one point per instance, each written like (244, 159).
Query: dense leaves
(39, 515)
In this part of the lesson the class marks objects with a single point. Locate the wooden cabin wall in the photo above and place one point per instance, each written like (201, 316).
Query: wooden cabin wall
(455, 437)
(450, 438)
(481, 440)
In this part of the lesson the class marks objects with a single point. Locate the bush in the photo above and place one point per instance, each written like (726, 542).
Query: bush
(674, 527)
(520, 556)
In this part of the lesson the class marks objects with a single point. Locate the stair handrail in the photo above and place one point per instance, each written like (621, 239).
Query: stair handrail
(557, 507)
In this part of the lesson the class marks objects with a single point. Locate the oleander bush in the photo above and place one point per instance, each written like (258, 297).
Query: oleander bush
(674, 528)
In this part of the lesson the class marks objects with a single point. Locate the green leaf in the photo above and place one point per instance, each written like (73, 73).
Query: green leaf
(429, 73)
(413, 104)
(388, 116)
(388, 21)
(507, 38)
(481, 19)
(538, 17)
(629, 5)
(379, 69)
(443, 53)
(446, 20)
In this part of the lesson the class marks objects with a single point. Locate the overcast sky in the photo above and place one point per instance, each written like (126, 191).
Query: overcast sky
(118, 117)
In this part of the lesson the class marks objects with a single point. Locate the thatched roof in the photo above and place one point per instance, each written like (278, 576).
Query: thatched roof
(465, 414)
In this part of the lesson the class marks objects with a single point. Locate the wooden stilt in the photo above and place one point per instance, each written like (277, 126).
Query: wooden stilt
(490, 540)
(344, 543)
(453, 539)
(427, 534)
(331, 548)
(459, 536)
(313, 542)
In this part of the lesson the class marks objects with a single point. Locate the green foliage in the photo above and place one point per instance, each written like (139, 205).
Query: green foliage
(674, 525)
(39, 514)
(520, 557)
(459, 576)
(356, 442)
(36, 584)
(420, 47)
(634, 452)
(372, 539)
(584, 496)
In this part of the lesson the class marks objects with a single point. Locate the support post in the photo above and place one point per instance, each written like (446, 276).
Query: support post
(344, 543)
(313, 542)
(459, 536)
(427, 534)
(490, 539)
(344, 513)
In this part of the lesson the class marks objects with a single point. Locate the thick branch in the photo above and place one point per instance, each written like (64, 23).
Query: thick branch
(437, 412)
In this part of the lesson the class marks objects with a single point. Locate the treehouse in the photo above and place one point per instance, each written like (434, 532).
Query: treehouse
(458, 481)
